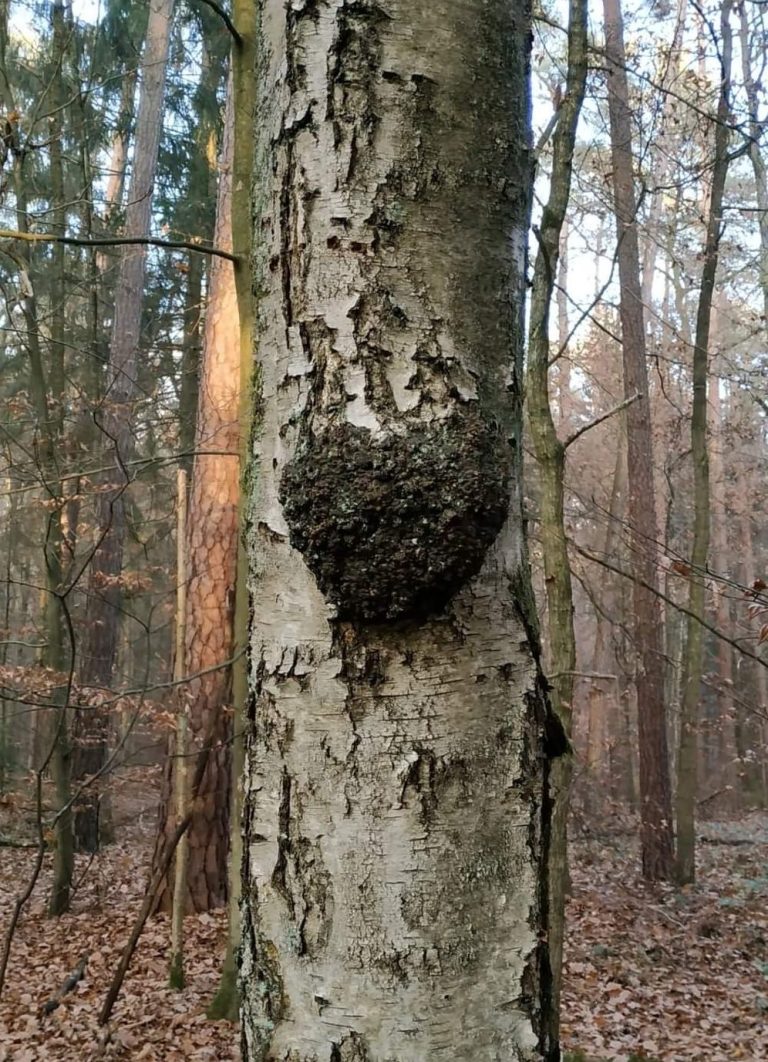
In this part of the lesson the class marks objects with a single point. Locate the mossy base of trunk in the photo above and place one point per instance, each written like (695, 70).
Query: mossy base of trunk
(176, 974)
(225, 1005)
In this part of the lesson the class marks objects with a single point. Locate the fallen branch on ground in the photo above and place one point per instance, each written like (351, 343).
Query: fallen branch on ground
(68, 985)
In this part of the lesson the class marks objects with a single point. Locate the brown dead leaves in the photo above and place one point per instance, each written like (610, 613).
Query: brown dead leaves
(678, 975)
(150, 1021)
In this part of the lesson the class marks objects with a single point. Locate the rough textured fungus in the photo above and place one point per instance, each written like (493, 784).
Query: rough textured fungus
(391, 527)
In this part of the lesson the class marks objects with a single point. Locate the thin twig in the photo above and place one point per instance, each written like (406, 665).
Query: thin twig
(160, 872)
(225, 19)
(143, 464)
(599, 420)
(669, 601)
(116, 241)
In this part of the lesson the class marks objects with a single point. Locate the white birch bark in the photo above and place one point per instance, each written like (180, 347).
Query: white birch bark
(395, 805)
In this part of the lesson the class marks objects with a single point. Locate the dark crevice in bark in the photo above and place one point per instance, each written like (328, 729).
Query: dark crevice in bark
(420, 779)
(353, 68)
(262, 1001)
(351, 1049)
(286, 212)
(280, 873)
(300, 877)
(538, 971)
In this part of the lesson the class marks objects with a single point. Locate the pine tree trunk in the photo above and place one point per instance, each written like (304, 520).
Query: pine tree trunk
(396, 803)
(242, 89)
(115, 422)
(212, 559)
(655, 794)
(201, 197)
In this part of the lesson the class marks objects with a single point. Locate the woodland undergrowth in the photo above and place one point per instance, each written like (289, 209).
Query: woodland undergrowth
(652, 973)
(661, 973)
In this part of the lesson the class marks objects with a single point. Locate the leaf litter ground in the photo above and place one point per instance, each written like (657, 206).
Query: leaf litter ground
(679, 975)
(150, 1021)
(657, 972)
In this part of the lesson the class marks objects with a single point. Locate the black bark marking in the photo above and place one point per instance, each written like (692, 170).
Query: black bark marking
(353, 66)
(301, 879)
(295, 18)
(420, 780)
(392, 528)
(263, 1000)
(351, 1049)
(280, 873)
(290, 256)
(286, 234)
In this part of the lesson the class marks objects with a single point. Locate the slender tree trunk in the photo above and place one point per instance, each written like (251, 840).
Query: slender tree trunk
(190, 358)
(759, 673)
(563, 330)
(118, 155)
(46, 387)
(550, 458)
(655, 794)
(756, 129)
(8, 751)
(396, 805)
(725, 747)
(226, 1002)
(693, 656)
(549, 451)
(55, 654)
(104, 259)
(181, 744)
(104, 592)
(212, 558)
(602, 659)
(664, 154)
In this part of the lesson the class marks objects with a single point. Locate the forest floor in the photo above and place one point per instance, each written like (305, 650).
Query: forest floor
(652, 973)
(678, 975)
(150, 1021)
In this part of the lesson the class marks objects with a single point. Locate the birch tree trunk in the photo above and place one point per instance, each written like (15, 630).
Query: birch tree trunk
(104, 592)
(212, 559)
(655, 793)
(396, 804)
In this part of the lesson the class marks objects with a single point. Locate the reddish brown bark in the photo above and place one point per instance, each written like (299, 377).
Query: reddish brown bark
(212, 544)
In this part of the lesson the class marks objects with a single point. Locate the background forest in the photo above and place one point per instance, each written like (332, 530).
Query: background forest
(124, 368)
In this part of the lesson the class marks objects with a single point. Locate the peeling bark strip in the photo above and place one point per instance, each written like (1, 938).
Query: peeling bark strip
(396, 807)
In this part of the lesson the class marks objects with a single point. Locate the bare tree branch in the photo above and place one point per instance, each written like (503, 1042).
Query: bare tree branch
(116, 241)
(226, 20)
(599, 420)
(669, 601)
